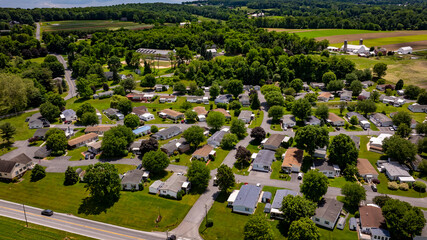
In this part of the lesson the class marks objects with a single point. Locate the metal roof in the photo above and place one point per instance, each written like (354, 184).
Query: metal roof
(278, 198)
(248, 196)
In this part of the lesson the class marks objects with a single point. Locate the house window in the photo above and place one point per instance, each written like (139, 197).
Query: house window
(327, 222)
(317, 220)
(247, 209)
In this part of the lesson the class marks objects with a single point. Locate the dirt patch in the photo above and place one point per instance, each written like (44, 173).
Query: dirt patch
(418, 45)
(411, 73)
(355, 37)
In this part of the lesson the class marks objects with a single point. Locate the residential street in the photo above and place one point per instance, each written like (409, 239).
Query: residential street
(70, 82)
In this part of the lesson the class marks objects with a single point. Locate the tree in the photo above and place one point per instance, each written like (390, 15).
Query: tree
(269, 88)
(343, 151)
(296, 84)
(235, 87)
(353, 194)
(275, 112)
(37, 173)
(311, 97)
(356, 87)
(57, 142)
(274, 98)
(322, 112)
(190, 115)
(301, 109)
(399, 149)
(225, 178)
(403, 220)
(296, 207)
(399, 85)
(114, 64)
(350, 77)
(180, 87)
(238, 127)
(49, 111)
(214, 91)
(7, 132)
(255, 103)
(422, 98)
(303, 229)
(71, 177)
(155, 161)
(243, 155)
(215, 120)
(55, 99)
(154, 129)
(257, 228)
(314, 185)
(84, 108)
(258, 134)
(229, 141)
(83, 88)
(116, 140)
(119, 90)
(194, 135)
(421, 128)
(366, 106)
(199, 175)
(128, 84)
(89, 119)
(131, 121)
(311, 137)
(380, 69)
(402, 117)
(103, 182)
(354, 120)
(380, 200)
(342, 107)
(124, 106)
(148, 81)
(186, 105)
(148, 145)
(328, 77)
(412, 92)
(403, 130)
(235, 105)
(335, 85)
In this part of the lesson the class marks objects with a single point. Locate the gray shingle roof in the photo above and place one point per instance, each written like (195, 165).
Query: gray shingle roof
(248, 196)
(264, 157)
(358, 115)
(133, 176)
(329, 209)
(278, 198)
(6, 166)
(168, 131)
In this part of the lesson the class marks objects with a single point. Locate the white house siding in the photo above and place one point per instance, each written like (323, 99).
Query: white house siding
(322, 222)
(244, 210)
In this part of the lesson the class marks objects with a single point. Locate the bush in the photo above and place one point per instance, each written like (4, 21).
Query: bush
(419, 186)
(209, 222)
(393, 185)
(154, 129)
(381, 200)
(222, 105)
(357, 214)
(376, 181)
(404, 187)
(179, 195)
(380, 81)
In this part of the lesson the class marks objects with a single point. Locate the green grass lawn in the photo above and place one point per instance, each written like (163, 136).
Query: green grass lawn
(337, 182)
(353, 128)
(258, 119)
(276, 127)
(77, 153)
(277, 172)
(337, 234)
(387, 41)
(39, 60)
(184, 159)
(332, 32)
(5, 150)
(90, 25)
(240, 170)
(137, 210)
(22, 130)
(17, 230)
(220, 156)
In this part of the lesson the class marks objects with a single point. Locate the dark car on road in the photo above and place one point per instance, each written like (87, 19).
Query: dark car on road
(374, 188)
(47, 212)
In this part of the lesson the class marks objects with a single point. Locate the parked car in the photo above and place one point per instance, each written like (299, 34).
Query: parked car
(338, 128)
(374, 187)
(47, 212)
(299, 176)
(215, 181)
(92, 156)
(87, 156)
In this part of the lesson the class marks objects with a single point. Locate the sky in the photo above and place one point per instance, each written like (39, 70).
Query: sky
(71, 3)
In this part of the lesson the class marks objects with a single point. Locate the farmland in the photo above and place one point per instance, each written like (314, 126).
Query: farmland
(91, 25)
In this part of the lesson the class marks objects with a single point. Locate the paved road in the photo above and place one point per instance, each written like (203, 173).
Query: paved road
(70, 82)
(38, 31)
(74, 224)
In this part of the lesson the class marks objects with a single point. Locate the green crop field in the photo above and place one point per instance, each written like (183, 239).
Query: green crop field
(387, 41)
(331, 32)
(90, 25)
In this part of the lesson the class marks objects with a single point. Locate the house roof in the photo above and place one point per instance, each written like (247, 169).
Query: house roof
(312, 120)
(248, 196)
(41, 132)
(95, 145)
(346, 94)
(21, 158)
(278, 198)
(359, 116)
(168, 131)
(200, 110)
(334, 118)
(325, 95)
(174, 183)
(245, 114)
(293, 156)
(365, 167)
(171, 112)
(157, 184)
(82, 138)
(223, 111)
(381, 117)
(329, 209)
(133, 176)
(356, 141)
(135, 145)
(141, 130)
(42, 152)
(203, 151)
(275, 140)
(264, 157)
(288, 119)
(139, 110)
(266, 195)
(380, 232)
(173, 145)
(379, 140)
(99, 128)
(394, 169)
(217, 136)
(6, 166)
(323, 165)
(111, 111)
(371, 217)
(68, 113)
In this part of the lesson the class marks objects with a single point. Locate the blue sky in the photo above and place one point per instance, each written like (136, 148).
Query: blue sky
(71, 3)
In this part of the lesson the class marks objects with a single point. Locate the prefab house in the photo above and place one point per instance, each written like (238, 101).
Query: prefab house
(167, 133)
(292, 160)
(173, 185)
(132, 179)
(245, 116)
(277, 202)
(263, 161)
(274, 142)
(247, 199)
(327, 212)
(155, 187)
(335, 120)
(216, 138)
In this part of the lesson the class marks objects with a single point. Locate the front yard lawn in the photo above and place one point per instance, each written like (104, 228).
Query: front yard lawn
(220, 156)
(276, 127)
(22, 130)
(77, 153)
(277, 172)
(337, 234)
(337, 182)
(137, 210)
(258, 119)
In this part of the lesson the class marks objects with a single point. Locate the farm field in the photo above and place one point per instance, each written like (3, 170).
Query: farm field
(322, 33)
(91, 25)
(392, 43)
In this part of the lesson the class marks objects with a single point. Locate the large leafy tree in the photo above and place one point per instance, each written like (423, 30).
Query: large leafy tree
(243, 155)
(328, 77)
(258, 133)
(89, 119)
(37, 173)
(131, 121)
(214, 91)
(296, 84)
(7, 131)
(343, 151)
(128, 84)
(257, 227)
(254, 100)
(49, 111)
(55, 99)
(412, 91)
(199, 175)
(301, 108)
(274, 98)
(275, 112)
(303, 229)
(353, 194)
(56, 141)
(322, 112)
(114, 64)
(215, 120)
(402, 117)
(314, 185)
(399, 149)
(380, 69)
(71, 177)
(403, 220)
(225, 178)
(103, 182)
(311, 137)
(83, 88)
(148, 145)
(238, 127)
(155, 161)
(229, 141)
(296, 207)
(356, 87)
(194, 135)
(116, 140)
(84, 108)
(235, 87)
(366, 106)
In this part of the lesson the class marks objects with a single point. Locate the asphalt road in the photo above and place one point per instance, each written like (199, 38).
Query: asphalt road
(75, 225)
(71, 83)
(38, 31)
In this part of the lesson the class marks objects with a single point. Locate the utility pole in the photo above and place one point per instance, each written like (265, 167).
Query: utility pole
(25, 215)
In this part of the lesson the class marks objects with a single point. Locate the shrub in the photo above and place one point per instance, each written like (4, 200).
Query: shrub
(376, 181)
(357, 214)
(393, 185)
(381, 200)
(419, 186)
(404, 186)
(209, 222)
(154, 129)
(141, 186)
(179, 195)
(222, 105)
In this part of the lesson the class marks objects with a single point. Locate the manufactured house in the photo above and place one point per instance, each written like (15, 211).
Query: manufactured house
(41, 133)
(146, 117)
(176, 145)
(113, 113)
(404, 50)
(216, 138)
(172, 114)
(132, 179)
(325, 96)
(371, 217)
(327, 212)
(312, 120)
(334, 120)
(201, 113)
(139, 110)
(223, 99)
(244, 100)
(204, 152)
(167, 99)
(82, 140)
(376, 143)
(198, 99)
(167, 133)
(37, 121)
(288, 121)
(320, 152)
(263, 161)
(346, 95)
(317, 85)
(232, 198)
(100, 129)
(247, 199)
(144, 130)
(292, 160)
(395, 171)
(367, 84)
(330, 170)
(245, 116)
(392, 100)
(366, 170)
(161, 87)
(94, 147)
(417, 108)
(136, 97)
(275, 211)
(174, 184)
(223, 111)
(155, 187)
(363, 122)
(135, 147)
(15, 167)
(364, 95)
(101, 95)
(381, 120)
(68, 115)
(274, 142)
